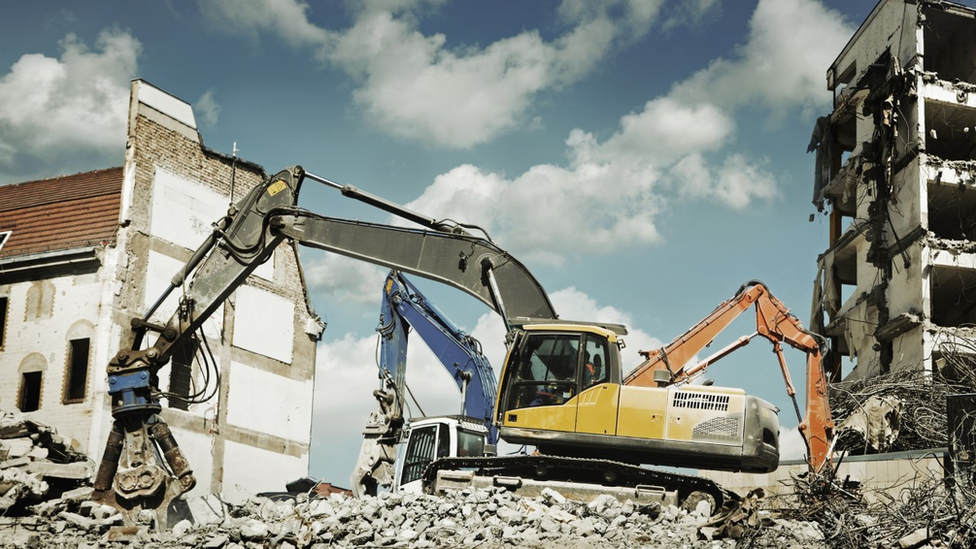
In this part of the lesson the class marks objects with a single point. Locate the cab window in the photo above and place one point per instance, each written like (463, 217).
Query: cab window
(545, 373)
(596, 361)
(470, 444)
(420, 452)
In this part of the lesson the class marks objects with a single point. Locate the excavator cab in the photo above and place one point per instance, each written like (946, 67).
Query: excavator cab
(561, 391)
(559, 378)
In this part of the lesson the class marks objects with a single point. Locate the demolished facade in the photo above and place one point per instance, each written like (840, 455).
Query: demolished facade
(896, 170)
(86, 254)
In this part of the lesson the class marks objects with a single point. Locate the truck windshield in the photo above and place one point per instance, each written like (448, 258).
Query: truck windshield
(470, 444)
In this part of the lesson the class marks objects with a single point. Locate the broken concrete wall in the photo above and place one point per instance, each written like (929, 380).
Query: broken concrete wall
(175, 188)
(902, 154)
(42, 317)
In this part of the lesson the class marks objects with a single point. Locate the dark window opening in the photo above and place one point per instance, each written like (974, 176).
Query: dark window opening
(29, 398)
(3, 320)
(949, 46)
(953, 296)
(948, 131)
(952, 211)
(76, 382)
(546, 372)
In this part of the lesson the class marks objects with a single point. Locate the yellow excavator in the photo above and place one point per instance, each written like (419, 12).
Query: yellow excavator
(561, 389)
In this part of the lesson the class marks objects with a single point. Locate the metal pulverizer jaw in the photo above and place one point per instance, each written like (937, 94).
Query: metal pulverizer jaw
(143, 472)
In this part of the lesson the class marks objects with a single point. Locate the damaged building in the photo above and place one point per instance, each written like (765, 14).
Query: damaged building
(895, 175)
(82, 255)
(895, 166)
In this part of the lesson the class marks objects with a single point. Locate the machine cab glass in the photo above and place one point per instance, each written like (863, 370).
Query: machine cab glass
(551, 368)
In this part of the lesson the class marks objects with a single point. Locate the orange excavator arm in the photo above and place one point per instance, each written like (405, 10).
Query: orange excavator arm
(773, 322)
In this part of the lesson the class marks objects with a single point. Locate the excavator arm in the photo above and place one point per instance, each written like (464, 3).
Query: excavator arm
(405, 307)
(143, 468)
(672, 363)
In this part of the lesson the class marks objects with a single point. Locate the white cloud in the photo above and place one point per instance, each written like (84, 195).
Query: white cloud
(736, 183)
(207, 110)
(344, 279)
(59, 110)
(549, 211)
(286, 19)
(781, 66)
(690, 13)
(416, 86)
(612, 191)
(791, 444)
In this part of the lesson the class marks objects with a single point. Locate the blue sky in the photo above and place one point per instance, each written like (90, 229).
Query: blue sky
(642, 158)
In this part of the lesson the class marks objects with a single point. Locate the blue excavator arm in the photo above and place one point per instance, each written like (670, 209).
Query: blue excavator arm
(405, 306)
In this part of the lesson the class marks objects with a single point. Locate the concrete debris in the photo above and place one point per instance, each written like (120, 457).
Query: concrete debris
(484, 517)
(878, 421)
(37, 464)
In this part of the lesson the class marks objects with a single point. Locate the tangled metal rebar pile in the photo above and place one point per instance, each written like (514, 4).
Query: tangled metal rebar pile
(922, 421)
(928, 513)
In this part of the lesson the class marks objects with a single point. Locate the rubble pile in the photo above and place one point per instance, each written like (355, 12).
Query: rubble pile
(920, 401)
(36, 464)
(932, 513)
(484, 518)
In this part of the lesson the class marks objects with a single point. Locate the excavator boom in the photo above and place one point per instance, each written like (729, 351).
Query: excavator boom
(773, 322)
(143, 467)
(404, 307)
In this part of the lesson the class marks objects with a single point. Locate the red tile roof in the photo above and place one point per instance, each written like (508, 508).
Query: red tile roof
(64, 212)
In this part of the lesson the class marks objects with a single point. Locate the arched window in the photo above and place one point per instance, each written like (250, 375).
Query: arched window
(40, 300)
(31, 372)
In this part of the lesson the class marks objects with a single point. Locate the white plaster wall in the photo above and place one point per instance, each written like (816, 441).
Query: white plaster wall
(264, 323)
(198, 449)
(269, 403)
(75, 299)
(910, 350)
(892, 27)
(266, 269)
(166, 103)
(159, 273)
(182, 210)
(906, 290)
(248, 470)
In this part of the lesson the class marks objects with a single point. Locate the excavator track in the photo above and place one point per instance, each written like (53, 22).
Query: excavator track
(583, 470)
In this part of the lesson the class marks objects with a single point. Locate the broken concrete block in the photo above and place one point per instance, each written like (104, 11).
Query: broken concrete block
(38, 453)
(102, 512)
(78, 494)
(254, 529)
(77, 520)
(79, 470)
(15, 462)
(216, 542)
(915, 539)
(17, 447)
(181, 528)
(551, 496)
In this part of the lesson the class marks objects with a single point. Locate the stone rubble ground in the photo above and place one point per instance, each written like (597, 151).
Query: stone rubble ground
(40, 509)
(36, 462)
(484, 518)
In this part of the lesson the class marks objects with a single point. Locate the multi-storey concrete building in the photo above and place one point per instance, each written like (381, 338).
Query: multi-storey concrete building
(896, 169)
(84, 254)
